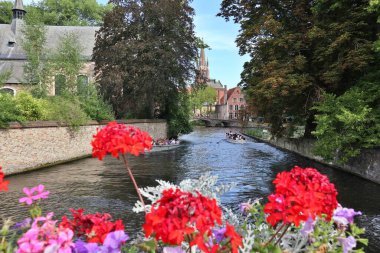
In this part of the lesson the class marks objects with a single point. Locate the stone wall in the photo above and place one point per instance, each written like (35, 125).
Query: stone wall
(367, 165)
(39, 144)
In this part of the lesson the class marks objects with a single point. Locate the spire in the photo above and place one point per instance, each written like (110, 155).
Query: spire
(18, 10)
(202, 59)
(203, 75)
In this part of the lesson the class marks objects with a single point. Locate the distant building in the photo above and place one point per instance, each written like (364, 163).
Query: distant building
(229, 102)
(13, 58)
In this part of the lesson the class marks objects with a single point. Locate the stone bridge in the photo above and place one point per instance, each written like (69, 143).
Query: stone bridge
(211, 122)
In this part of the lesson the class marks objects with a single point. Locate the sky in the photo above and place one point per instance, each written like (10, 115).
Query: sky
(225, 63)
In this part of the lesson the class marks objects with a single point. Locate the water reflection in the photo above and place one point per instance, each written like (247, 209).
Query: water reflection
(105, 187)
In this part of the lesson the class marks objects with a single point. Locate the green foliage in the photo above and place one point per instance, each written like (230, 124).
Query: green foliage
(36, 69)
(67, 61)
(179, 116)
(66, 110)
(300, 49)
(152, 48)
(70, 12)
(6, 12)
(257, 132)
(9, 111)
(93, 104)
(29, 107)
(350, 122)
(4, 76)
(203, 95)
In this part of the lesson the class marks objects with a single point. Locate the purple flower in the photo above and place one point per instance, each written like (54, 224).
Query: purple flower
(115, 240)
(347, 243)
(245, 207)
(177, 249)
(23, 224)
(219, 234)
(308, 227)
(345, 215)
(83, 247)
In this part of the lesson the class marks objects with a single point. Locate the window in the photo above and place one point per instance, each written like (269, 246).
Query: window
(241, 99)
(231, 107)
(242, 107)
(8, 91)
(60, 83)
(236, 115)
(236, 107)
(230, 116)
(235, 100)
(82, 83)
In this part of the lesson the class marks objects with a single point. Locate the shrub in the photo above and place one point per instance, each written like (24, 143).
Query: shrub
(93, 104)
(31, 108)
(9, 110)
(66, 110)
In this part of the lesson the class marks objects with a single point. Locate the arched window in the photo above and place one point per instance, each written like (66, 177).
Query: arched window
(60, 83)
(82, 83)
(8, 91)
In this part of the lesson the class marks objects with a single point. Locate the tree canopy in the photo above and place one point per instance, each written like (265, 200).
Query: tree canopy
(61, 13)
(152, 48)
(299, 50)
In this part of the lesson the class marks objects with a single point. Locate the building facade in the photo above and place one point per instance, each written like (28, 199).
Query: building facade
(13, 57)
(230, 102)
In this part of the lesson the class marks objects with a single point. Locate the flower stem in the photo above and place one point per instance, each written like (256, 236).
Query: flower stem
(282, 234)
(133, 181)
(273, 236)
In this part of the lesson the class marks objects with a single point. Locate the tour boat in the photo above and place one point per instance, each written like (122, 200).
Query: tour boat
(237, 141)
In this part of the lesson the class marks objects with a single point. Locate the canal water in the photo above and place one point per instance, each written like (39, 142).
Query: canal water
(103, 186)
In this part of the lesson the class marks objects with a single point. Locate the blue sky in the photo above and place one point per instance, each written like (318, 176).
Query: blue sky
(224, 60)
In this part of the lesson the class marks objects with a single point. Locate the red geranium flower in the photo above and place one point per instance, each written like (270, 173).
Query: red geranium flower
(94, 227)
(300, 194)
(3, 183)
(118, 138)
(181, 215)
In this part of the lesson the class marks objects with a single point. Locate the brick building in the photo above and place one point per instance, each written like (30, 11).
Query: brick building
(228, 102)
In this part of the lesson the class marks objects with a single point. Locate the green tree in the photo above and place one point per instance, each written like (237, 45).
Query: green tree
(6, 12)
(67, 61)
(4, 76)
(70, 12)
(299, 50)
(37, 67)
(348, 123)
(375, 7)
(151, 45)
(205, 95)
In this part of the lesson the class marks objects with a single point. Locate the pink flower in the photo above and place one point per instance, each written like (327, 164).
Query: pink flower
(29, 194)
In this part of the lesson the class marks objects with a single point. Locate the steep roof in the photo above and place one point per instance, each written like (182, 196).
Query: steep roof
(18, 5)
(216, 84)
(231, 91)
(12, 56)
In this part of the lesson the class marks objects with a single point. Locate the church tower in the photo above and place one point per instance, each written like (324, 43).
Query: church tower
(18, 14)
(18, 10)
(203, 71)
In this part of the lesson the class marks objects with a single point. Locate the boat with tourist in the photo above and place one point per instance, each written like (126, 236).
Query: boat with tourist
(165, 144)
(235, 138)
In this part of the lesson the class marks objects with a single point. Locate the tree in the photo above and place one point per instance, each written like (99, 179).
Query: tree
(4, 76)
(67, 61)
(6, 12)
(70, 12)
(299, 50)
(36, 69)
(348, 123)
(151, 46)
(205, 95)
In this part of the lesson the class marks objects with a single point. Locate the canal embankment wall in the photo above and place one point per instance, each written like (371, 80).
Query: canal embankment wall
(366, 165)
(35, 145)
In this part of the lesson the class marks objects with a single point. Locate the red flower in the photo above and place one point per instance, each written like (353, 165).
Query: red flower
(118, 138)
(3, 183)
(181, 215)
(300, 194)
(94, 227)
(235, 238)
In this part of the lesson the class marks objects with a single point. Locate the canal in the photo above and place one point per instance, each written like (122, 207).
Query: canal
(105, 187)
